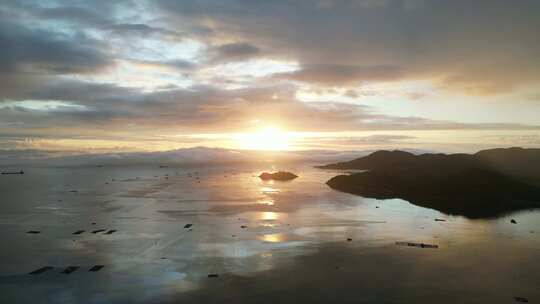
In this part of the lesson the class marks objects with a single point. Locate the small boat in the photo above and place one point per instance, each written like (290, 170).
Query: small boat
(13, 172)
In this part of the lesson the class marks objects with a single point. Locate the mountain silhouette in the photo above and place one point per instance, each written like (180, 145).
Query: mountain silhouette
(489, 183)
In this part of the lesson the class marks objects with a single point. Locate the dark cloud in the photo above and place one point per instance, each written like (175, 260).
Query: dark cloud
(233, 52)
(477, 47)
(42, 51)
(88, 14)
(178, 64)
(342, 75)
(86, 93)
(78, 15)
(143, 30)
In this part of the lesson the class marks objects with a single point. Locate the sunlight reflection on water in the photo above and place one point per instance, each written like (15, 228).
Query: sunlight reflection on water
(272, 238)
(269, 190)
(268, 215)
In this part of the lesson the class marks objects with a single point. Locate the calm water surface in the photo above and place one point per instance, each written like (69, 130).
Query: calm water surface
(269, 242)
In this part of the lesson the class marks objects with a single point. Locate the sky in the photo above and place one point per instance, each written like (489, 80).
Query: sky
(134, 75)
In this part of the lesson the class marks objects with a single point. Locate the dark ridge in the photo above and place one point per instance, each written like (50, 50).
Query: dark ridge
(70, 269)
(373, 160)
(13, 172)
(41, 270)
(96, 268)
(489, 183)
(517, 162)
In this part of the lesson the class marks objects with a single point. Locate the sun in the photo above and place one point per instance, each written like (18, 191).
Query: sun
(268, 139)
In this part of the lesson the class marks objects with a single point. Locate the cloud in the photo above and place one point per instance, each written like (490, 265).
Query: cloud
(358, 40)
(452, 43)
(33, 51)
(137, 70)
(79, 15)
(342, 75)
(94, 14)
(170, 64)
(233, 52)
(143, 30)
(104, 110)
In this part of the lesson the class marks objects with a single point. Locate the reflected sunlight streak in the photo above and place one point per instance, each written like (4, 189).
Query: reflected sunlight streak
(272, 238)
(269, 216)
(269, 190)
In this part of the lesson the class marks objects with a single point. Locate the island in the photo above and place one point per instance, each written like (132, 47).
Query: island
(486, 184)
(280, 176)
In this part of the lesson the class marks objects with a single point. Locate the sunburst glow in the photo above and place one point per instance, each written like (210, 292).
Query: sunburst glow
(269, 138)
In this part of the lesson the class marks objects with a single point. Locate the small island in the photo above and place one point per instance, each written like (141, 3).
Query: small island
(280, 176)
(487, 184)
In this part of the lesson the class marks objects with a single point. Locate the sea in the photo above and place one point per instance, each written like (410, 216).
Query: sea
(220, 234)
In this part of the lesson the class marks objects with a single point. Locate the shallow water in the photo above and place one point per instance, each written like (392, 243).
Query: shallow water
(293, 248)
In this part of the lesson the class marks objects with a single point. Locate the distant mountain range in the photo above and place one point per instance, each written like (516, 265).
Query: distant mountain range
(196, 156)
(485, 184)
